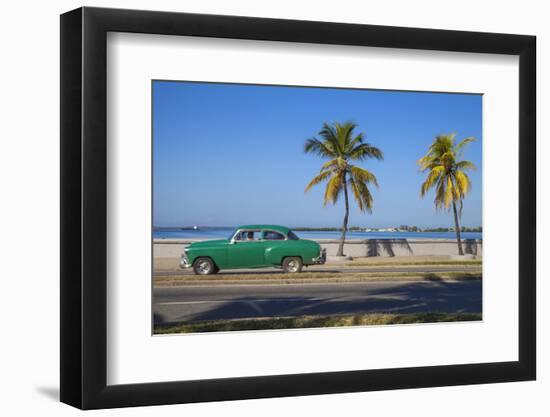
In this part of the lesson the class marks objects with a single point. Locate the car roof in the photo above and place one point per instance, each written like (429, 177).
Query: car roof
(281, 229)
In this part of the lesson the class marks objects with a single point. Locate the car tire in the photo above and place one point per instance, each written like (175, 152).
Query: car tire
(204, 266)
(292, 264)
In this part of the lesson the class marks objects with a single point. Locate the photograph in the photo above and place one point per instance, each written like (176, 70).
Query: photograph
(291, 207)
(284, 208)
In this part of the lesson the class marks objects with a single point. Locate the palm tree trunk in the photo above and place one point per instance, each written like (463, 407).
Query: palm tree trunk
(457, 229)
(345, 225)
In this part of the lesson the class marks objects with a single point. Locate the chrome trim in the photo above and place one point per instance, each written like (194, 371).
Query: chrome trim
(204, 268)
(184, 261)
(293, 265)
(322, 258)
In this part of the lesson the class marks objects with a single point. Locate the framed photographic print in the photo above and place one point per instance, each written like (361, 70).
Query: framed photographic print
(257, 207)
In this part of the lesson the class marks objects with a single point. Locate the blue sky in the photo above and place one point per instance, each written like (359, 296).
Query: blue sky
(228, 154)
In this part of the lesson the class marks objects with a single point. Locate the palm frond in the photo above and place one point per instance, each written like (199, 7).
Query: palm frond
(362, 195)
(459, 148)
(450, 193)
(333, 189)
(465, 165)
(336, 164)
(362, 175)
(340, 143)
(330, 136)
(445, 173)
(364, 151)
(440, 192)
(323, 176)
(318, 147)
(444, 142)
(357, 140)
(343, 133)
(431, 180)
(463, 183)
(426, 162)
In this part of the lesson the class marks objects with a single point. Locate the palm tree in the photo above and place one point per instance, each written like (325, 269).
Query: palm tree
(342, 145)
(447, 174)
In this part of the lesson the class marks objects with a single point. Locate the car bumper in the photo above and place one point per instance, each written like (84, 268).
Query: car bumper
(321, 259)
(184, 261)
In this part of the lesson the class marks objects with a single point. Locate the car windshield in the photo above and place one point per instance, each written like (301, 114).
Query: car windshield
(292, 236)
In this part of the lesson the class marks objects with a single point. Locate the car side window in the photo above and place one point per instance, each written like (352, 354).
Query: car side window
(248, 235)
(292, 236)
(271, 235)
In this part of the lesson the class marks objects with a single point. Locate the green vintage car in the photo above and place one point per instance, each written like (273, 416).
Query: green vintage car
(253, 246)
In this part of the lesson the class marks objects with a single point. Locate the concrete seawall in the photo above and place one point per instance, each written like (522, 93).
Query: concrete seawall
(168, 248)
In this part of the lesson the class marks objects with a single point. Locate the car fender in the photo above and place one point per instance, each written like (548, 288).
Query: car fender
(217, 254)
(274, 255)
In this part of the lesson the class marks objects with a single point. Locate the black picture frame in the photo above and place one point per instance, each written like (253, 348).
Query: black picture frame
(84, 207)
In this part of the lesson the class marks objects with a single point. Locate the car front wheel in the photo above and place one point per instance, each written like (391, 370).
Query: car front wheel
(204, 266)
(292, 265)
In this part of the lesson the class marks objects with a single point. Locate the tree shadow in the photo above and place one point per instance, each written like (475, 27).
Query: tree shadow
(435, 296)
(379, 247)
(470, 246)
(158, 319)
(432, 277)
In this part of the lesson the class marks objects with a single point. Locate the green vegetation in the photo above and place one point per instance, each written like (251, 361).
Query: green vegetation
(304, 322)
(447, 174)
(340, 143)
(312, 277)
(326, 229)
(406, 228)
(449, 229)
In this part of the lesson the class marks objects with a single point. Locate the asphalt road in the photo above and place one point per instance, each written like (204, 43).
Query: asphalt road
(337, 269)
(194, 303)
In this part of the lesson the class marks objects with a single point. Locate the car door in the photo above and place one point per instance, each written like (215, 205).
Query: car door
(275, 246)
(246, 252)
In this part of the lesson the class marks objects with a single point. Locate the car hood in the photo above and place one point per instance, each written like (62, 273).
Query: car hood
(208, 243)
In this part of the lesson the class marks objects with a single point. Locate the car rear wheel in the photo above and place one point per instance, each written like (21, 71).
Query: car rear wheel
(292, 265)
(204, 266)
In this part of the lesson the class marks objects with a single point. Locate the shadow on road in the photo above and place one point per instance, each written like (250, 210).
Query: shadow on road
(435, 296)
